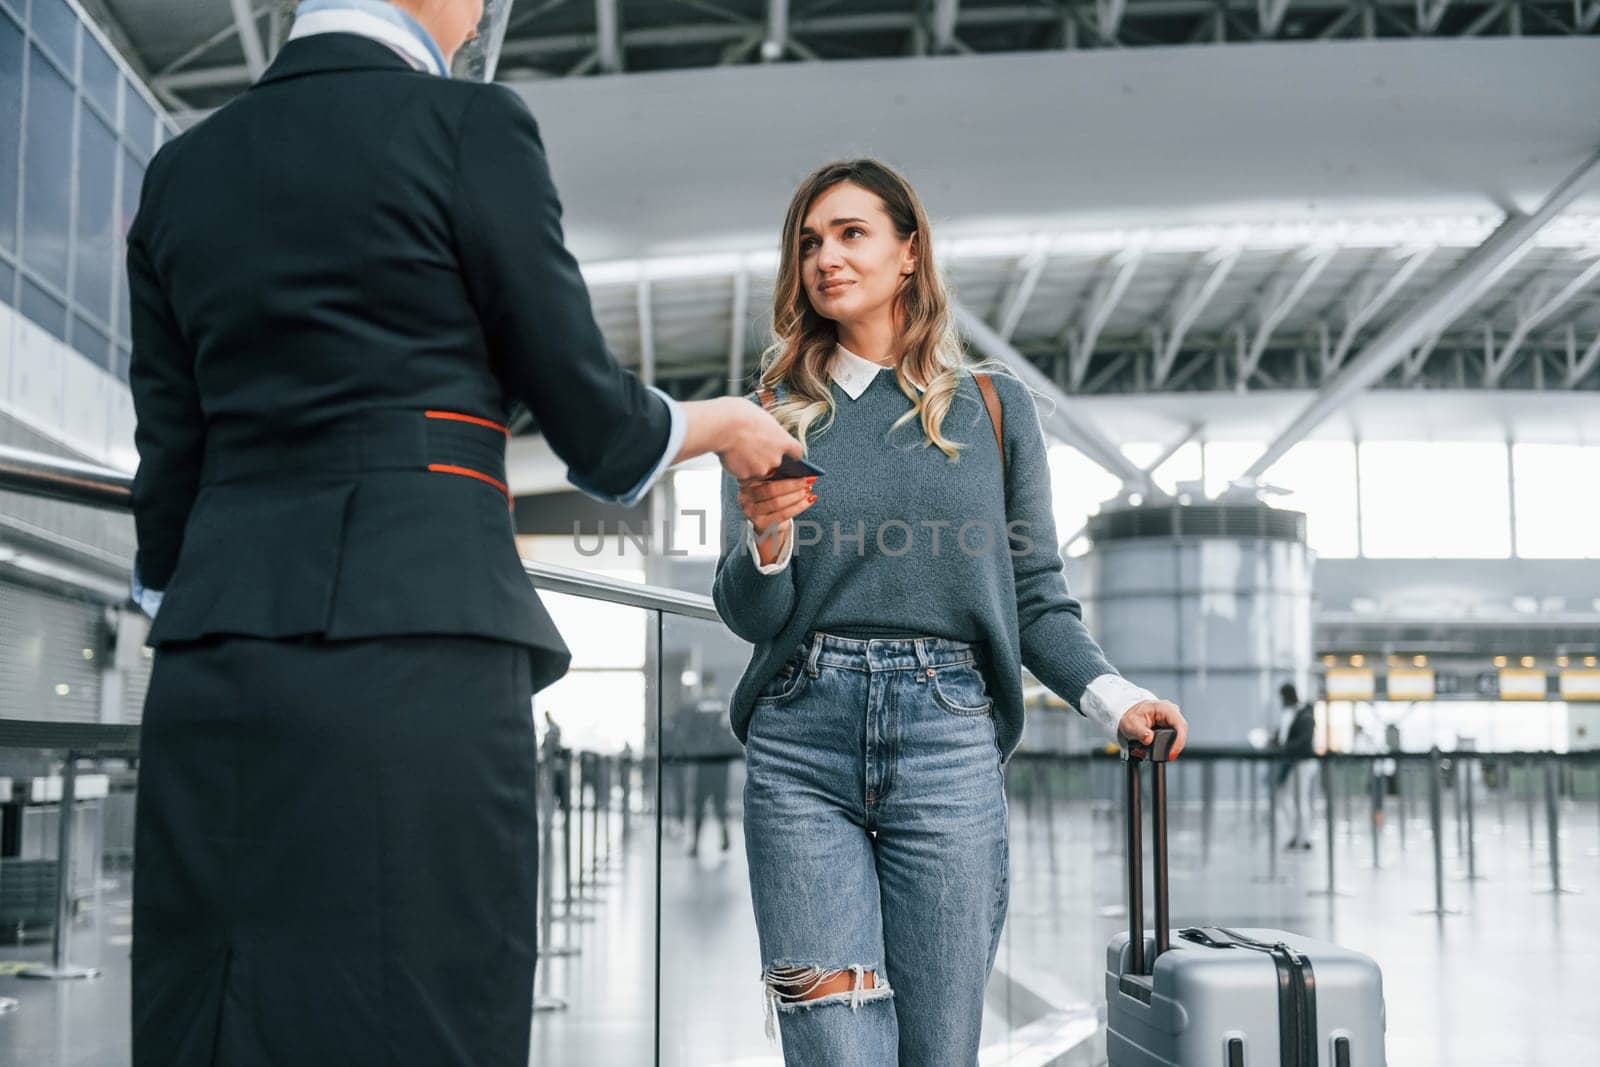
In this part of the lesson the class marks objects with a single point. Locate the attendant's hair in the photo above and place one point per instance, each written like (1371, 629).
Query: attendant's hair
(803, 341)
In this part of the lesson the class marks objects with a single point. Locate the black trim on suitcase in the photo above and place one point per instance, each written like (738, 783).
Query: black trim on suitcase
(1137, 980)
(1297, 992)
(1297, 984)
(1158, 753)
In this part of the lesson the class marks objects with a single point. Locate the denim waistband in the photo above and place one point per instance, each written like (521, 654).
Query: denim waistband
(883, 653)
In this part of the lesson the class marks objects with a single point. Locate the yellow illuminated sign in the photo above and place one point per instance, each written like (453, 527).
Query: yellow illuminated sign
(1351, 684)
(1410, 685)
(1580, 685)
(1523, 685)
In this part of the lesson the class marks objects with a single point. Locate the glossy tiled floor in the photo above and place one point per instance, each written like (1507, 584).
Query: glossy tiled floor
(1506, 984)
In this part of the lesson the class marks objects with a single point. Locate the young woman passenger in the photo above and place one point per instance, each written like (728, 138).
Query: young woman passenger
(891, 623)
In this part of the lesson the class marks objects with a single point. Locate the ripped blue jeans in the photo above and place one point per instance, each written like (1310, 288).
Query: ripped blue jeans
(875, 827)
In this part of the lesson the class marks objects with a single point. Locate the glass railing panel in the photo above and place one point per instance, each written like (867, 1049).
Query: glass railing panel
(596, 983)
(1045, 986)
(712, 1006)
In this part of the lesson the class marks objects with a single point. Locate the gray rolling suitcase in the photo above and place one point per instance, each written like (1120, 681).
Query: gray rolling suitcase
(1218, 997)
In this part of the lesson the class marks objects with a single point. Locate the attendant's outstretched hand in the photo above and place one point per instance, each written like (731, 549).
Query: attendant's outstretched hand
(751, 443)
(1138, 724)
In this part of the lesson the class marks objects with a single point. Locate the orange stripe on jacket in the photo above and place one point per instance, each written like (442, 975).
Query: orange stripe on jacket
(468, 472)
(456, 416)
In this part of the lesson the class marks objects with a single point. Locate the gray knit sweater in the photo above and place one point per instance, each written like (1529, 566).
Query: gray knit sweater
(902, 539)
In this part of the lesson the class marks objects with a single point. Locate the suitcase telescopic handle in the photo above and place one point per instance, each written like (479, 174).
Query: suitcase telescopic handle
(1158, 752)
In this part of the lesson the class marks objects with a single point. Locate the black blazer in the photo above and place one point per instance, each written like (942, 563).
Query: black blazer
(1301, 742)
(339, 281)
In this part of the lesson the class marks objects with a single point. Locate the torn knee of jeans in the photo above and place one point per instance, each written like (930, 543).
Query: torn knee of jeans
(794, 987)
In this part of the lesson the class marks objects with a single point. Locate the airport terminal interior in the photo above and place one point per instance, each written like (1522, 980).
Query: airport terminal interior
(1307, 293)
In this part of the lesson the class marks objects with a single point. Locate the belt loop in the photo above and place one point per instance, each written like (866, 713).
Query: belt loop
(816, 650)
(921, 645)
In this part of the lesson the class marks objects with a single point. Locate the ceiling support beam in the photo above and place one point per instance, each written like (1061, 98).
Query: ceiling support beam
(1485, 20)
(1532, 313)
(733, 33)
(211, 42)
(1197, 293)
(1369, 299)
(1578, 367)
(1412, 364)
(608, 34)
(1429, 14)
(1172, 450)
(736, 332)
(647, 334)
(117, 34)
(244, 21)
(1029, 268)
(1108, 291)
(776, 44)
(521, 16)
(1108, 18)
(1340, 24)
(945, 14)
(1453, 294)
(1064, 421)
(1276, 303)
(1269, 14)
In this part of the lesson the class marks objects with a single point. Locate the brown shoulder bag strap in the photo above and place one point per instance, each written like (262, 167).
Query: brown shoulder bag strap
(991, 400)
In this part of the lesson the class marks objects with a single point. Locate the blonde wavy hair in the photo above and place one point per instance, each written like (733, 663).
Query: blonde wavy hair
(803, 341)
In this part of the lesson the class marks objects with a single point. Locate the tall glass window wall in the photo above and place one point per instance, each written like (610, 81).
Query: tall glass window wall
(1380, 499)
(76, 133)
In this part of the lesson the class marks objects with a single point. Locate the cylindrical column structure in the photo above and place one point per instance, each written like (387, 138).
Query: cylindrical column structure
(1208, 605)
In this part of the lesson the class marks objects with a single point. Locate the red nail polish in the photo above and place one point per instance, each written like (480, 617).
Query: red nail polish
(812, 499)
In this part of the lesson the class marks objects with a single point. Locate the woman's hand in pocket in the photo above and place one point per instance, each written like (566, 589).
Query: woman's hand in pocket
(771, 507)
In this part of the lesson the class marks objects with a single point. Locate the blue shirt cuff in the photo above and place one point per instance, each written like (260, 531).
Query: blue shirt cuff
(149, 600)
(679, 426)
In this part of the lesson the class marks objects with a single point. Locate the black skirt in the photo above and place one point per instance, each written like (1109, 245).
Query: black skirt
(335, 856)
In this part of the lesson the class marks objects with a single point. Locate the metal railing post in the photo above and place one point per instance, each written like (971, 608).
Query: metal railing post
(1401, 769)
(1327, 768)
(1272, 825)
(1436, 818)
(1552, 813)
(1347, 799)
(1527, 777)
(605, 808)
(572, 813)
(1255, 796)
(1502, 785)
(593, 879)
(1596, 850)
(59, 968)
(1238, 787)
(548, 949)
(1465, 774)
(1377, 814)
(577, 812)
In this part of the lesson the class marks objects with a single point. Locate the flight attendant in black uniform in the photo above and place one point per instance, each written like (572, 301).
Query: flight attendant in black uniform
(339, 283)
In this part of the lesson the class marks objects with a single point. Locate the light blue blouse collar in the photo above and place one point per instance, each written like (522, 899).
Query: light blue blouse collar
(389, 13)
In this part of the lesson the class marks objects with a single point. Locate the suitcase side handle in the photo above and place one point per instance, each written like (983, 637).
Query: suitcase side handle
(1158, 752)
